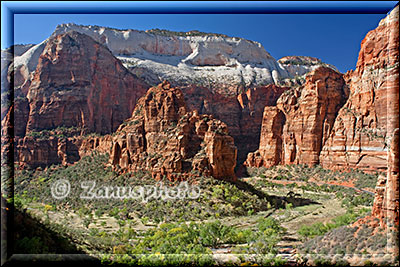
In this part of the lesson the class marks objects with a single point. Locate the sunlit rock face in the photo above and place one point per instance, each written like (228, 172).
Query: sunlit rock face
(79, 83)
(295, 130)
(188, 58)
(363, 127)
(338, 121)
(221, 63)
(165, 139)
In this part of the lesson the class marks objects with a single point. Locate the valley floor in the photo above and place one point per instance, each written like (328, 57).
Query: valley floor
(281, 215)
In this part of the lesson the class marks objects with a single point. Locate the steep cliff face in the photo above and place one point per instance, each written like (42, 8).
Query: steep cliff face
(165, 139)
(79, 83)
(295, 131)
(242, 114)
(386, 201)
(270, 151)
(360, 135)
(33, 152)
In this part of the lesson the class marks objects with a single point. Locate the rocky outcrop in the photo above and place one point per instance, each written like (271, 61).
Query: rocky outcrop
(252, 103)
(79, 83)
(359, 137)
(213, 60)
(55, 84)
(165, 139)
(300, 65)
(43, 151)
(242, 114)
(270, 148)
(295, 131)
(7, 139)
(392, 187)
(101, 144)
(7, 57)
(386, 202)
(315, 131)
(35, 152)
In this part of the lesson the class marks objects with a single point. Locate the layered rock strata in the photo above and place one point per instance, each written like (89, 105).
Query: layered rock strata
(360, 135)
(33, 152)
(295, 130)
(300, 65)
(242, 114)
(222, 63)
(165, 139)
(79, 83)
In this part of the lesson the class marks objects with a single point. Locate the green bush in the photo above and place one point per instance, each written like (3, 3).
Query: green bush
(320, 228)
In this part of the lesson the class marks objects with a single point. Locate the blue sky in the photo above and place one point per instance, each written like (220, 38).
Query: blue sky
(334, 38)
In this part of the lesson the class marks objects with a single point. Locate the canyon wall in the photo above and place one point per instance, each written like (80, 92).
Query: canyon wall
(338, 121)
(295, 130)
(386, 202)
(165, 139)
(360, 135)
(79, 83)
(242, 113)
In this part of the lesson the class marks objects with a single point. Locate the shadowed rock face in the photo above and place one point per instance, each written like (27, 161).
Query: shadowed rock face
(360, 135)
(242, 114)
(35, 152)
(165, 139)
(79, 83)
(295, 130)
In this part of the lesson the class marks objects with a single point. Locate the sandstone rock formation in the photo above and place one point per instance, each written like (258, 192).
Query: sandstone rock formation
(386, 201)
(33, 152)
(211, 60)
(7, 58)
(270, 148)
(317, 132)
(300, 65)
(79, 83)
(242, 113)
(360, 135)
(221, 63)
(295, 130)
(164, 138)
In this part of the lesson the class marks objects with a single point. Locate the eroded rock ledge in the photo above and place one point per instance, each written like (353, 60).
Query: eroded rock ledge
(162, 137)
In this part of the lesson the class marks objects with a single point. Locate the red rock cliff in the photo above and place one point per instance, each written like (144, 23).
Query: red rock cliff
(79, 83)
(295, 131)
(360, 135)
(242, 113)
(165, 139)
